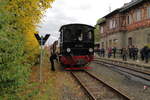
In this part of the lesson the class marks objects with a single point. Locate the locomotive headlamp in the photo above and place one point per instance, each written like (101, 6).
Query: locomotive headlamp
(90, 50)
(68, 50)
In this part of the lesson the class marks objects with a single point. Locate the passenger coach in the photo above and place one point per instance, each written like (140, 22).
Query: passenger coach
(76, 45)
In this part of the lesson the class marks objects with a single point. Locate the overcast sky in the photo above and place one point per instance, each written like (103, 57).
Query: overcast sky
(75, 11)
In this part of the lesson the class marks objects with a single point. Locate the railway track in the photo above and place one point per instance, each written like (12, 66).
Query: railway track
(145, 69)
(144, 75)
(96, 88)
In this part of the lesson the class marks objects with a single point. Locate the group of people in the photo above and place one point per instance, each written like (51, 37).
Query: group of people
(132, 52)
(111, 51)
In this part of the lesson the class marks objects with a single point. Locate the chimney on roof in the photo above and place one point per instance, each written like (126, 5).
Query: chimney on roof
(125, 4)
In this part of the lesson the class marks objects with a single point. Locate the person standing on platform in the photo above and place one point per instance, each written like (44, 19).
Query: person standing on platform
(130, 51)
(100, 52)
(109, 52)
(103, 52)
(124, 54)
(146, 53)
(135, 53)
(114, 51)
(142, 54)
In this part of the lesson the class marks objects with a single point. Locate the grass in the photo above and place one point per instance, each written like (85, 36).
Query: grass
(44, 90)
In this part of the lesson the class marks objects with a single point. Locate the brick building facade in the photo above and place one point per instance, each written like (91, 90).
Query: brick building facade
(128, 25)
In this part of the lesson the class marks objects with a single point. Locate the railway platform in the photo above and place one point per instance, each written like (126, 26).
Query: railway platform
(129, 61)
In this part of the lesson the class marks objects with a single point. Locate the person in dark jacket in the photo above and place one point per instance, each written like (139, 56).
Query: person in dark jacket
(103, 52)
(146, 51)
(124, 54)
(135, 53)
(114, 51)
(142, 54)
(52, 58)
(130, 51)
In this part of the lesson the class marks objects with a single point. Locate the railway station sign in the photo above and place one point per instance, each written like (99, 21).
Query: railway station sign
(42, 40)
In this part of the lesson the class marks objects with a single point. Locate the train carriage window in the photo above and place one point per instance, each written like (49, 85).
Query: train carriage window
(80, 38)
(61, 39)
(67, 34)
(79, 35)
(86, 36)
(90, 35)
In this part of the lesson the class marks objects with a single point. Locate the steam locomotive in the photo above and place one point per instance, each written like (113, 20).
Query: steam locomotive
(76, 45)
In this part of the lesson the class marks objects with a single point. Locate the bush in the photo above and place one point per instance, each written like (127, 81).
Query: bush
(13, 67)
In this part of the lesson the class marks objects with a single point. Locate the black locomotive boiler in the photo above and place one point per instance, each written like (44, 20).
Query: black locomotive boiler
(76, 45)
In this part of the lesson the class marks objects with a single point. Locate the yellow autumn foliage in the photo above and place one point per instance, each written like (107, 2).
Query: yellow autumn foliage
(27, 14)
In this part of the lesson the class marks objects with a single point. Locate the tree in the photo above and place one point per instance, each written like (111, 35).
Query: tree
(18, 46)
(97, 30)
(28, 14)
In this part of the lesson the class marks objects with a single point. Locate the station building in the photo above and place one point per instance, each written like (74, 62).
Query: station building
(128, 25)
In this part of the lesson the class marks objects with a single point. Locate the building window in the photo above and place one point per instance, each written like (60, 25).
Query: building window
(102, 44)
(130, 41)
(138, 15)
(114, 23)
(102, 29)
(110, 43)
(111, 24)
(129, 19)
(106, 45)
(148, 12)
(115, 42)
(148, 39)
